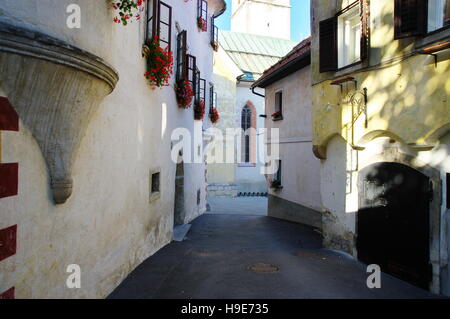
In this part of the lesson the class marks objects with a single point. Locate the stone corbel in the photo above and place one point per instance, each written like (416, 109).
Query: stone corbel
(55, 88)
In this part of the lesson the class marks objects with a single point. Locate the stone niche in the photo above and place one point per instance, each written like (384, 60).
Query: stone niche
(55, 88)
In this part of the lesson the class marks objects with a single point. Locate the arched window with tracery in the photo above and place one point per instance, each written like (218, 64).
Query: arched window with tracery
(246, 124)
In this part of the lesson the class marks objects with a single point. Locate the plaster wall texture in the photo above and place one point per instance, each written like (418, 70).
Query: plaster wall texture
(225, 74)
(267, 18)
(109, 225)
(340, 194)
(300, 169)
(399, 97)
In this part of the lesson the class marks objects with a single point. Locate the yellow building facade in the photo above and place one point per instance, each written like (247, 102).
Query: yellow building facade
(381, 115)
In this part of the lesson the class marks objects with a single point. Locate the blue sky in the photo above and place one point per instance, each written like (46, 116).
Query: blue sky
(300, 22)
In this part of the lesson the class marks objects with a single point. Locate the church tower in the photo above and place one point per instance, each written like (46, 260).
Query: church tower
(270, 18)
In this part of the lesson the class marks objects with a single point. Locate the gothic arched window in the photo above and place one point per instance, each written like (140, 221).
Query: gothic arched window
(246, 123)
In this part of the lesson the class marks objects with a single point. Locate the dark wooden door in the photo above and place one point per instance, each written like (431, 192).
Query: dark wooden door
(393, 221)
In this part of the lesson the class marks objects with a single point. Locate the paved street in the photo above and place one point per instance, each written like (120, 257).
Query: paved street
(213, 262)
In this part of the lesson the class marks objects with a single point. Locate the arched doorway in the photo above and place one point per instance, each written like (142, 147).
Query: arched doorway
(393, 223)
(179, 213)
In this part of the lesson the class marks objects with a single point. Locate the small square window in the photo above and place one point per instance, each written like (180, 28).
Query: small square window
(198, 197)
(279, 102)
(155, 185)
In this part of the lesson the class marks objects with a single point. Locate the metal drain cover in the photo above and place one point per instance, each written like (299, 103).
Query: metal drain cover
(263, 268)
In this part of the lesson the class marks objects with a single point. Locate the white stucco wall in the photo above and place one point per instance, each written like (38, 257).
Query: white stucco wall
(108, 226)
(250, 178)
(300, 168)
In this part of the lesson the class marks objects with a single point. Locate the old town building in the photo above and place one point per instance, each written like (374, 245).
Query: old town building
(294, 192)
(86, 172)
(381, 119)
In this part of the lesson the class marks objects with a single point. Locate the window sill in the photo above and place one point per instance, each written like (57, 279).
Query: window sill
(250, 165)
(155, 196)
(276, 119)
(276, 188)
(432, 37)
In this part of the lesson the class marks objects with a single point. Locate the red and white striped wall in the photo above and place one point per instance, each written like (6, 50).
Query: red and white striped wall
(9, 186)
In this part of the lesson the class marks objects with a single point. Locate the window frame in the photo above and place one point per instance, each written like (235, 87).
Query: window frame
(197, 85)
(341, 49)
(202, 11)
(153, 16)
(214, 32)
(329, 38)
(444, 26)
(182, 69)
(191, 66)
(246, 112)
(202, 89)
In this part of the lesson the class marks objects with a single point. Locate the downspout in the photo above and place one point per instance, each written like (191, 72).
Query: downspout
(256, 93)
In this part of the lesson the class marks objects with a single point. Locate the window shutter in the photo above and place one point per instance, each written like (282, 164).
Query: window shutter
(328, 45)
(365, 39)
(410, 18)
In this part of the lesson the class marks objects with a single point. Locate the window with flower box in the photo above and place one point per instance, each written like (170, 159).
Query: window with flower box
(181, 56)
(159, 23)
(202, 13)
(214, 35)
(278, 115)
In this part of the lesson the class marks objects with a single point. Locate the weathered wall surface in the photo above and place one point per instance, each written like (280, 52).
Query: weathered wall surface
(399, 97)
(408, 114)
(109, 225)
(300, 169)
(220, 174)
(249, 178)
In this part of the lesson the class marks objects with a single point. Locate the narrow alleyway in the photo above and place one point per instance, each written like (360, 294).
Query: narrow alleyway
(214, 260)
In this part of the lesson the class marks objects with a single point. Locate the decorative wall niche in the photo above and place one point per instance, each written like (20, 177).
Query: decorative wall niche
(55, 88)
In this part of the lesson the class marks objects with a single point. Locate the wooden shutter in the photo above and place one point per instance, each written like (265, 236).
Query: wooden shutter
(328, 45)
(182, 55)
(410, 18)
(365, 39)
(165, 25)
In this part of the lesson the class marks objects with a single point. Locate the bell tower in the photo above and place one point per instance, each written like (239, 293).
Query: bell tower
(270, 18)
